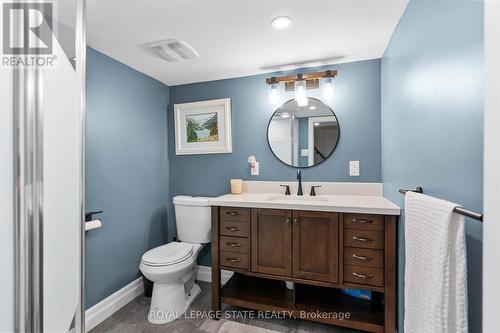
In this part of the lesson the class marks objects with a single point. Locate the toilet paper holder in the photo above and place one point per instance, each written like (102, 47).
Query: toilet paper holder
(89, 215)
(90, 222)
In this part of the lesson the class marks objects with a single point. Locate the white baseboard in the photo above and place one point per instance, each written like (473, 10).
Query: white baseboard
(204, 273)
(108, 306)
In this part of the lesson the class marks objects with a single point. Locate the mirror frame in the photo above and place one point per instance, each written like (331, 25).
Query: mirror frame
(309, 166)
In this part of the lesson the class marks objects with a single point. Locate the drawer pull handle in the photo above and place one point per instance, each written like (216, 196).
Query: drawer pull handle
(362, 276)
(233, 228)
(363, 258)
(233, 260)
(233, 244)
(296, 221)
(362, 221)
(288, 220)
(233, 213)
(361, 239)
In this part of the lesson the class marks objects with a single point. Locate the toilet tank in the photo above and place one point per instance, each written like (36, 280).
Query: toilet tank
(193, 219)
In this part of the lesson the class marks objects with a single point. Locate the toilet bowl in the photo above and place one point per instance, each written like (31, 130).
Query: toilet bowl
(171, 267)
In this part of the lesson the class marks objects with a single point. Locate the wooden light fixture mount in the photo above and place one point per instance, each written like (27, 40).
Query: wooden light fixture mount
(312, 79)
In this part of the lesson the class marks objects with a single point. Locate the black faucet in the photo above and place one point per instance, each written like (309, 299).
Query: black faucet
(299, 178)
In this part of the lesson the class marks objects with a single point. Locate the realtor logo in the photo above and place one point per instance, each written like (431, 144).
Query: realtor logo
(27, 28)
(27, 34)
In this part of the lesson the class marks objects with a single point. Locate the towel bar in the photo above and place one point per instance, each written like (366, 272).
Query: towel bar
(458, 210)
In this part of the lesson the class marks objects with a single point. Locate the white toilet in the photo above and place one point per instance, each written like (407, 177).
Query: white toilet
(171, 266)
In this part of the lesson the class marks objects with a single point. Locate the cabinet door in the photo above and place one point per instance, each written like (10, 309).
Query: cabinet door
(272, 241)
(315, 245)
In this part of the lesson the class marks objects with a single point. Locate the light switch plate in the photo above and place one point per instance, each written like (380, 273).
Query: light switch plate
(304, 152)
(354, 168)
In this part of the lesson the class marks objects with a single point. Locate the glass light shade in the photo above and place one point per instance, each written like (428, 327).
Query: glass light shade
(327, 87)
(300, 93)
(274, 97)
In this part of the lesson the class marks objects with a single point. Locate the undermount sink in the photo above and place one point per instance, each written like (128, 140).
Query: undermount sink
(296, 198)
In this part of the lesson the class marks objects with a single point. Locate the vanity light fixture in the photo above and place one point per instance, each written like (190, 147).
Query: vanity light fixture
(300, 83)
(281, 22)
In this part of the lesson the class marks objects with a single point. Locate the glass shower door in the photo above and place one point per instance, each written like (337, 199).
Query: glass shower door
(43, 64)
(63, 98)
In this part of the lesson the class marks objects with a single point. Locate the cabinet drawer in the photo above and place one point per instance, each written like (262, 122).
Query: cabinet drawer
(369, 276)
(234, 228)
(233, 244)
(235, 260)
(363, 257)
(364, 238)
(364, 222)
(235, 214)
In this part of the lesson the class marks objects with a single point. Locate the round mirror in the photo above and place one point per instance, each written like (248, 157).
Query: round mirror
(303, 136)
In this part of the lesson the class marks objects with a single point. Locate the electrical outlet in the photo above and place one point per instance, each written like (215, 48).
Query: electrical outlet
(354, 168)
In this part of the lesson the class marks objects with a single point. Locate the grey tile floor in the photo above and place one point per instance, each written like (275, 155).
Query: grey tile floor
(132, 318)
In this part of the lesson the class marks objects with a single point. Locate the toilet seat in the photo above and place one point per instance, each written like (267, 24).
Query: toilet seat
(169, 254)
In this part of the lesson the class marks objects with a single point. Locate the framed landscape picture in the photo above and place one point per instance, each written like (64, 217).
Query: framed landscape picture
(203, 127)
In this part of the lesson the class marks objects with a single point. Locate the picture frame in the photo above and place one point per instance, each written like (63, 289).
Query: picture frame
(203, 127)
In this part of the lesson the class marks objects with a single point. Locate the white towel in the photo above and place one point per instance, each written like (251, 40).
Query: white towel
(436, 267)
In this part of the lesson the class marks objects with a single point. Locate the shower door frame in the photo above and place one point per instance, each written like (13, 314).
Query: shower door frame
(28, 190)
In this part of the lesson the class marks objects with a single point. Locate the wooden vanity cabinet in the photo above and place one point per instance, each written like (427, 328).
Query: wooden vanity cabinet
(322, 252)
(271, 241)
(297, 244)
(315, 246)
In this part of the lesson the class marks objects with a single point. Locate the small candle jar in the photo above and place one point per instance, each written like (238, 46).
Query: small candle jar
(236, 186)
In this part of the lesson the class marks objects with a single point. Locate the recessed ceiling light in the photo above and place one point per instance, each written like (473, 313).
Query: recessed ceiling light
(312, 107)
(281, 22)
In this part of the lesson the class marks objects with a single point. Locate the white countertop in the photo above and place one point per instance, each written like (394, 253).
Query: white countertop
(366, 204)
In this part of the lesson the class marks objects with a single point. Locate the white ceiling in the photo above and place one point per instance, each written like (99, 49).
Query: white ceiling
(235, 38)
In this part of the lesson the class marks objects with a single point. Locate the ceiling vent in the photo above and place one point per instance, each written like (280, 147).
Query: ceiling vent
(173, 50)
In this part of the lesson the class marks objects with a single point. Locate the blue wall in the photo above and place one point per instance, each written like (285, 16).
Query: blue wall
(356, 103)
(432, 118)
(126, 172)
